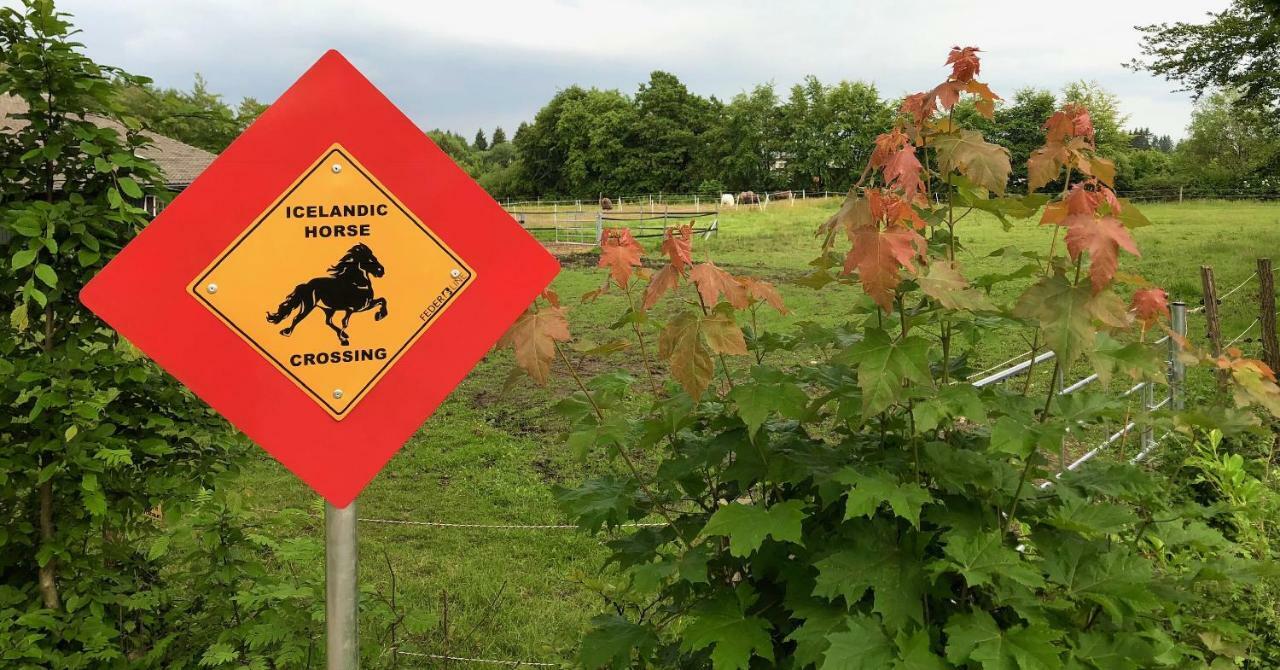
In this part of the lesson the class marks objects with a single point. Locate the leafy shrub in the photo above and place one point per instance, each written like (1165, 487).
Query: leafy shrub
(846, 500)
(118, 548)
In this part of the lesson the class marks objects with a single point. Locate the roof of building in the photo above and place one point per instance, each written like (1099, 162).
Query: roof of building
(181, 163)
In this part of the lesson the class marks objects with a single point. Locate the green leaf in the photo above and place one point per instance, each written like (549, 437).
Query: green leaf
(1091, 517)
(46, 274)
(607, 500)
(130, 188)
(984, 163)
(915, 653)
(723, 623)
(756, 401)
(747, 526)
(114, 199)
(22, 258)
(680, 343)
(613, 640)
(891, 567)
(976, 637)
(863, 647)
(884, 364)
(869, 490)
(1013, 437)
(982, 556)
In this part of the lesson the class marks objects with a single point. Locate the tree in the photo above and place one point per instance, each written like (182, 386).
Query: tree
(1104, 112)
(1238, 49)
(664, 140)
(1227, 144)
(198, 117)
(499, 136)
(744, 141)
(480, 143)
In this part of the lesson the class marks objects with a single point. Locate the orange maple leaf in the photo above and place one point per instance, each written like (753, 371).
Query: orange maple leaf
(666, 279)
(877, 256)
(533, 338)
(964, 63)
(765, 292)
(1150, 305)
(620, 252)
(1103, 238)
(677, 244)
(902, 171)
(712, 282)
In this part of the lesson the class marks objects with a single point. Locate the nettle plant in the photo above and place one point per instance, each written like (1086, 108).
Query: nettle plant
(840, 497)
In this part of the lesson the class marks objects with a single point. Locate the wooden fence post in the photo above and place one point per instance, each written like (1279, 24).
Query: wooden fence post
(1212, 323)
(1267, 313)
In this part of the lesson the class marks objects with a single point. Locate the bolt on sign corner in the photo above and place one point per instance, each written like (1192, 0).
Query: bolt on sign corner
(326, 282)
(333, 282)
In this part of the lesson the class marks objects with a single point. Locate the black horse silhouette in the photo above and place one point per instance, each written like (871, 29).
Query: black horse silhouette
(346, 289)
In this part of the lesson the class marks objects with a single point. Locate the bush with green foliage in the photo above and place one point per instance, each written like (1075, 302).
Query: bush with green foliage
(119, 548)
(845, 500)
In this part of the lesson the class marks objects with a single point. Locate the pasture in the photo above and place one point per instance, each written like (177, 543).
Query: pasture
(491, 456)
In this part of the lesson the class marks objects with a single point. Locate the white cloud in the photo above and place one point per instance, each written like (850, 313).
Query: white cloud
(482, 62)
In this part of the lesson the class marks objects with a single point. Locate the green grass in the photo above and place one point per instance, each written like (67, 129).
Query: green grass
(489, 456)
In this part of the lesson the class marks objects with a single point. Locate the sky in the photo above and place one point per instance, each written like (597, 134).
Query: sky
(481, 63)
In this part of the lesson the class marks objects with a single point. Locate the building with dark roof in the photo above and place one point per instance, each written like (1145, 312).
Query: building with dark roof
(180, 163)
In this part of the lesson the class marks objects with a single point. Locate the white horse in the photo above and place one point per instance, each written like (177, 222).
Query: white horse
(726, 200)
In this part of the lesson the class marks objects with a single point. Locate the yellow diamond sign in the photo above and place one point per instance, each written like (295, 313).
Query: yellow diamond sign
(333, 282)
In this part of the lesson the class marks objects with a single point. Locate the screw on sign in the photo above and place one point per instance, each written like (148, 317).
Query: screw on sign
(324, 285)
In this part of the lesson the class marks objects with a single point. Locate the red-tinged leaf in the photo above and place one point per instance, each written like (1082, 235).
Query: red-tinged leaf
(902, 171)
(919, 106)
(723, 334)
(712, 282)
(947, 94)
(666, 279)
(765, 292)
(878, 255)
(681, 345)
(533, 338)
(964, 63)
(1255, 383)
(677, 244)
(1102, 238)
(1054, 213)
(1150, 305)
(551, 297)
(620, 252)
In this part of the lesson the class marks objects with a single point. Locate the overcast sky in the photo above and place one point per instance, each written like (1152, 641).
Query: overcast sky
(481, 63)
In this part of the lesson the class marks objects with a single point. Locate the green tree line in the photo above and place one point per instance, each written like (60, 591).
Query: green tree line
(590, 142)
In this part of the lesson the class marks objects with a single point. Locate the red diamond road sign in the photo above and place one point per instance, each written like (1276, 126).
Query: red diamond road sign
(326, 282)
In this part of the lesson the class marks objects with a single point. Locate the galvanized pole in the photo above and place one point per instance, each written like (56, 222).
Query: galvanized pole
(1177, 369)
(342, 591)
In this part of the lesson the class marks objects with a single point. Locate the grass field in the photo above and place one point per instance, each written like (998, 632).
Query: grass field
(489, 457)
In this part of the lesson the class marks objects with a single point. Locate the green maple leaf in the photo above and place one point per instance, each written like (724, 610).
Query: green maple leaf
(811, 636)
(1091, 517)
(892, 569)
(976, 637)
(747, 526)
(1122, 651)
(723, 623)
(869, 490)
(612, 640)
(982, 162)
(944, 283)
(864, 646)
(884, 364)
(607, 500)
(915, 653)
(982, 556)
(756, 401)
(1067, 314)
(1116, 581)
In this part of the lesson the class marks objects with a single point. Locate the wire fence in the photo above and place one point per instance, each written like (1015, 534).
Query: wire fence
(1022, 364)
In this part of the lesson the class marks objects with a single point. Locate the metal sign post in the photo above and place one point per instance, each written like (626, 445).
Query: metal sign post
(342, 590)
